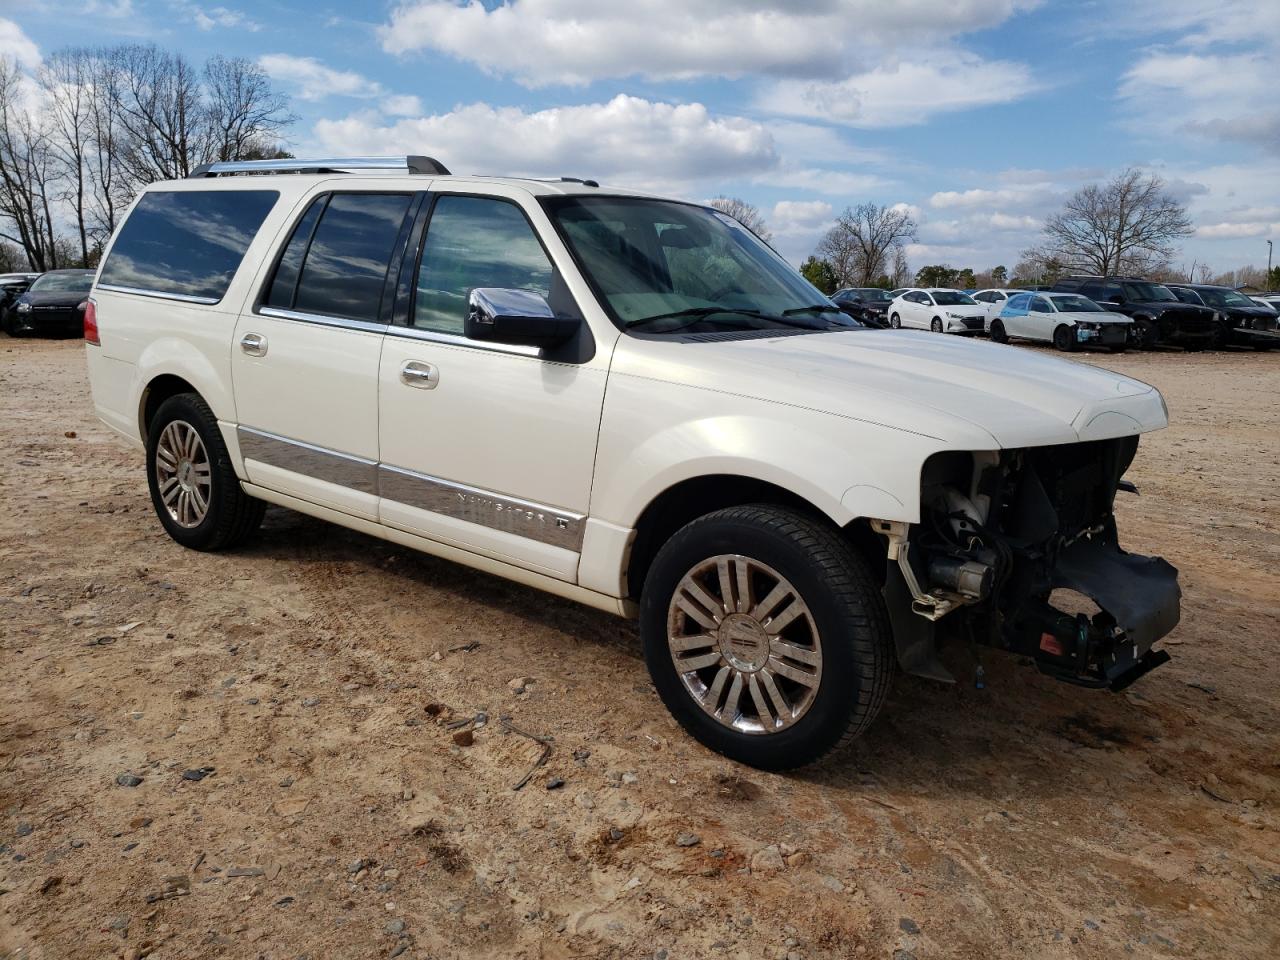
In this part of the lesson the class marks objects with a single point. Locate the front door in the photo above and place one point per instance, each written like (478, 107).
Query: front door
(488, 447)
(305, 358)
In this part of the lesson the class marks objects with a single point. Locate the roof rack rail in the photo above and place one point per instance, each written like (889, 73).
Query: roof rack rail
(427, 166)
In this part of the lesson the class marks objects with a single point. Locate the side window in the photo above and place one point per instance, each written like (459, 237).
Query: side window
(996, 296)
(188, 243)
(1111, 291)
(345, 267)
(1040, 305)
(1018, 302)
(475, 242)
(1092, 290)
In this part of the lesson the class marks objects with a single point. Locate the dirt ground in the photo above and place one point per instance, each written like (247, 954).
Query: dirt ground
(313, 679)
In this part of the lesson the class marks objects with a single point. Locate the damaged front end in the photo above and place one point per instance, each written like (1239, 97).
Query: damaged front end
(1017, 549)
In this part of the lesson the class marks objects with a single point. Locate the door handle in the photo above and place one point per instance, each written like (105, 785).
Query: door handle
(254, 344)
(415, 373)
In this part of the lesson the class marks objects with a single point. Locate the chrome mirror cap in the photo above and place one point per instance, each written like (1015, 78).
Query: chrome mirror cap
(516, 316)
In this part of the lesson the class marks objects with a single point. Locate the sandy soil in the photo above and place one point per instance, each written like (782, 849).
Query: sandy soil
(314, 677)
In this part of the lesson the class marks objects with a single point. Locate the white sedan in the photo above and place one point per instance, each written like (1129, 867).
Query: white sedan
(937, 309)
(1067, 320)
(993, 301)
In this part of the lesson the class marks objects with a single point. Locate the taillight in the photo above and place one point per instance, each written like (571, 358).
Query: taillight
(91, 323)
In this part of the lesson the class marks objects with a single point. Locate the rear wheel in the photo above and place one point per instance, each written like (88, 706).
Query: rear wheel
(936, 325)
(998, 334)
(1064, 338)
(194, 488)
(766, 636)
(895, 321)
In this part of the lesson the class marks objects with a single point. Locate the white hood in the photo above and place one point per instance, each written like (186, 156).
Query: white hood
(942, 387)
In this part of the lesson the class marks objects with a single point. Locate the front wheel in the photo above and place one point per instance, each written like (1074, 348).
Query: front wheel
(1145, 334)
(895, 321)
(766, 636)
(936, 325)
(1064, 338)
(194, 488)
(998, 334)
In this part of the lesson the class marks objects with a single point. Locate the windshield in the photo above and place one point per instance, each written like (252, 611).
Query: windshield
(665, 267)
(872, 295)
(1225, 298)
(1074, 304)
(952, 298)
(1147, 292)
(63, 283)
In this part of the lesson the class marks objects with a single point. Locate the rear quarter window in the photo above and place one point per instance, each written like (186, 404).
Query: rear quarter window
(186, 243)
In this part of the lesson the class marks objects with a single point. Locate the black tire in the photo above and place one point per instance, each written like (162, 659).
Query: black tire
(847, 610)
(895, 322)
(232, 516)
(1118, 347)
(936, 325)
(998, 334)
(1146, 335)
(1064, 338)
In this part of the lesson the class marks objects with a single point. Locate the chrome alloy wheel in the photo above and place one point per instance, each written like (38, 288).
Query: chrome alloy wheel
(183, 474)
(744, 644)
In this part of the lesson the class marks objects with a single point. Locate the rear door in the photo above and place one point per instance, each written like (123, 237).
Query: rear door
(305, 354)
(486, 446)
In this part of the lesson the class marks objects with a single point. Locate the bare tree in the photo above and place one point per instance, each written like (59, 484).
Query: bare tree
(1128, 224)
(27, 173)
(245, 115)
(67, 82)
(901, 275)
(745, 213)
(860, 244)
(162, 117)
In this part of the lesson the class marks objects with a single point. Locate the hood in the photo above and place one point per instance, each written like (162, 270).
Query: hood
(54, 298)
(1171, 306)
(1248, 311)
(968, 394)
(964, 309)
(1092, 316)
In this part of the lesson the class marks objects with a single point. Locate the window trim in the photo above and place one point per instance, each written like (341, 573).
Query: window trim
(180, 297)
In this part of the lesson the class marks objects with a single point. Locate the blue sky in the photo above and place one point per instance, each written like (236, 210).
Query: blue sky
(980, 115)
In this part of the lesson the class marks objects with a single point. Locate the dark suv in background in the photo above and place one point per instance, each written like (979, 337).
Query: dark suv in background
(867, 305)
(1159, 317)
(1237, 319)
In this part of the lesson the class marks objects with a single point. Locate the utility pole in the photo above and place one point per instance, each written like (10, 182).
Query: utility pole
(1268, 263)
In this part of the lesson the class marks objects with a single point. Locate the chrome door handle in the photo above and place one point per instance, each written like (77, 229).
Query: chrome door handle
(415, 373)
(254, 344)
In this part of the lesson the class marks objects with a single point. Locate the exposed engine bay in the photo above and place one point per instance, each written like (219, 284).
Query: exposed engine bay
(1018, 549)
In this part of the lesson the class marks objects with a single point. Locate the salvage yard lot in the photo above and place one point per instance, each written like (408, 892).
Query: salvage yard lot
(316, 678)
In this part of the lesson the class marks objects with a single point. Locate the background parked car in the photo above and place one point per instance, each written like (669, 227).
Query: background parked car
(52, 304)
(938, 309)
(993, 301)
(1159, 316)
(12, 286)
(1238, 320)
(867, 305)
(1067, 320)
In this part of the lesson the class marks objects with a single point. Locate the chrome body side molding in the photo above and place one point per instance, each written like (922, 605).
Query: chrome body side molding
(497, 511)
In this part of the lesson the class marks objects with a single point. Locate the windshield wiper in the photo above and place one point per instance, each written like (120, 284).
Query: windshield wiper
(813, 308)
(697, 313)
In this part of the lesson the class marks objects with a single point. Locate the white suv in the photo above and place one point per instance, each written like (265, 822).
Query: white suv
(633, 403)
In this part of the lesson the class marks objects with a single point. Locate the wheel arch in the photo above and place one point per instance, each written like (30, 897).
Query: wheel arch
(159, 389)
(694, 497)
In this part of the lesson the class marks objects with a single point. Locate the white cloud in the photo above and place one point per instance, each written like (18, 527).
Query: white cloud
(904, 92)
(799, 217)
(315, 81)
(577, 41)
(402, 105)
(1218, 96)
(982, 197)
(628, 140)
(208, 19)
(1235, 231)
(17, 46)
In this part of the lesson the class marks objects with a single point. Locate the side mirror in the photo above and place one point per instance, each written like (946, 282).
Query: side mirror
(519, 317)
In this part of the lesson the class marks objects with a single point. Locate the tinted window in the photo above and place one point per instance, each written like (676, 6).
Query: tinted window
(952, 298)
(1075, 304)
(188, 243)
(285, 283)
(346, 265)
(475, 242)
(69, 283)
(1040, 305)
(1018, 302)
